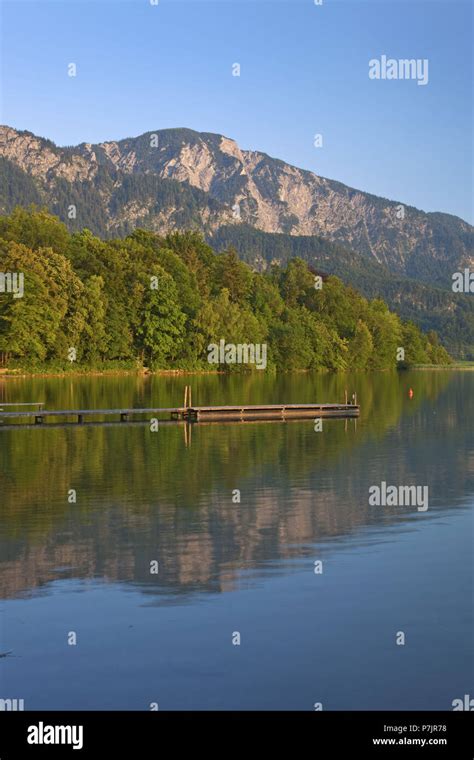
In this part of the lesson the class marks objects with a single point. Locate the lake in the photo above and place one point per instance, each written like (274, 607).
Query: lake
(238, 566)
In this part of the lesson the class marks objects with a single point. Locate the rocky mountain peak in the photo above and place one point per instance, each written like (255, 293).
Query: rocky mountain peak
(242, 187)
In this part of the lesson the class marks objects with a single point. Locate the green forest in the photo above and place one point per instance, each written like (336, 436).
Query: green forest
(158, 302)
(424, 301)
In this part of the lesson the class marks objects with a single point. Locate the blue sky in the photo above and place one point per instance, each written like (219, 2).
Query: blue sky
(304, 70)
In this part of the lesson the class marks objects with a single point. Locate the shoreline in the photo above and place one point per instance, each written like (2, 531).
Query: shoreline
(468, 366)
(22, 373)
(8, 374)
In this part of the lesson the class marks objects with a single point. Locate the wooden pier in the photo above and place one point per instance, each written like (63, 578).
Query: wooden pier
(186, 413)
(80, 415)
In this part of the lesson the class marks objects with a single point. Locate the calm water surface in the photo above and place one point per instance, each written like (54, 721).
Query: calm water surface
(248, 567)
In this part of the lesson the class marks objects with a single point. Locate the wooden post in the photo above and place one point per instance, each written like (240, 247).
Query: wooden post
(190, 401)
(355, 399)
(185, 396)
(345, 395)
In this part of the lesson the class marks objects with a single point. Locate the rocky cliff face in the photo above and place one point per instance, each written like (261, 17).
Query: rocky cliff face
(128, 181)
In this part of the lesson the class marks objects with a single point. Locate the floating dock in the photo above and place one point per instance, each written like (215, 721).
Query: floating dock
(243, 412)
(270, 412)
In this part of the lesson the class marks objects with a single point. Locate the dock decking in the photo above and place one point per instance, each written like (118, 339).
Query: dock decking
(271, 411)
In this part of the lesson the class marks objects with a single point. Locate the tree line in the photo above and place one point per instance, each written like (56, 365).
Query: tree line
(160, 301)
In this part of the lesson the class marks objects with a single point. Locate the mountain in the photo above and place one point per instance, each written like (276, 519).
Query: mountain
(178, 178)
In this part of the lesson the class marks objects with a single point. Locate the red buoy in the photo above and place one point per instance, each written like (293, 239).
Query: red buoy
(410, 393)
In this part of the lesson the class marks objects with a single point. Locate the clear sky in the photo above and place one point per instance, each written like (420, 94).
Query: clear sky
(304, 71)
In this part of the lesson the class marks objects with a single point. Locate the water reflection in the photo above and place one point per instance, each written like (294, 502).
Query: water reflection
(143, 496)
